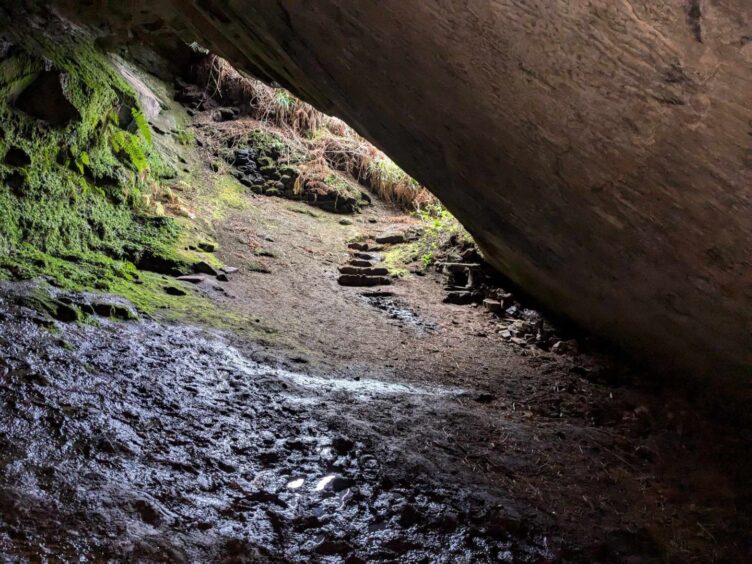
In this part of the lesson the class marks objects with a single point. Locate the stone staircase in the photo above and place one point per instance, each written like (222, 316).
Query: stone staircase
(362, 270)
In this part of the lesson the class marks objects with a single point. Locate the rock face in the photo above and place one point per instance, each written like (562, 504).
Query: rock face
(600, 152)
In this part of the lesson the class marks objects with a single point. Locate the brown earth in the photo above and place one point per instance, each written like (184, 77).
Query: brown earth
(356, 428)
(581, 445)
(441, 441)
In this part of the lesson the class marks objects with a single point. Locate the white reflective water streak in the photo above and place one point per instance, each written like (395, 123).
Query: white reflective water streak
(295, 484)
(323, 482)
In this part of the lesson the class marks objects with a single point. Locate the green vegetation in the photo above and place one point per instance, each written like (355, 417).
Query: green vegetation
(185, 137)
(79, 195)
(77, 186)
(320, 141)
(256, 266)
(439, 229)
(304, 211)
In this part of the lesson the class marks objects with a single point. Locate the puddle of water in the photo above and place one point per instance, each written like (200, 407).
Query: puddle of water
(395, 309)
(323, 482)
(296, 484)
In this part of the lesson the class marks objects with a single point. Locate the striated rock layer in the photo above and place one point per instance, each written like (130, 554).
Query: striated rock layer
(600, 152)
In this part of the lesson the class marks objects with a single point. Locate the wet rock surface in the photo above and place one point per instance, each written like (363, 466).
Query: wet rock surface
(150, 442)
(400, 312)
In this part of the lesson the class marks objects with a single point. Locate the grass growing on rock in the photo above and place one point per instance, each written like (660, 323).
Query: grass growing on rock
(84, 200)
(314, 135)
(439, 230)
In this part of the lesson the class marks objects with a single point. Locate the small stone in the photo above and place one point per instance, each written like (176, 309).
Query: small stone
(207, 246)
(174, 291)
(64, 312)
(225, 114)
(360, 280)
(563, 347)
(345, 221)
(229, 269)
(376, 271)
(358, 246)
(460, 297)
(192, 278)
(114, 310)
(204, 268)
(222, 277)
(365, 256)
(492, 305)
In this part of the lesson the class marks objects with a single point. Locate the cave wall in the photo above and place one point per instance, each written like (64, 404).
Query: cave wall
(600, 152)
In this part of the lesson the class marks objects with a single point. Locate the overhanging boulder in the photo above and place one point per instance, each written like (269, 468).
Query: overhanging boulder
(599, 152)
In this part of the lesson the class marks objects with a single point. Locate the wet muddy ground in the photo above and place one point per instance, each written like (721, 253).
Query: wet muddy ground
(147, 442)
(360, 428)
(141, 441)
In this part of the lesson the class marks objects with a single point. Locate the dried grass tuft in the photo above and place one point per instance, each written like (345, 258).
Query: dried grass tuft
(329, 140)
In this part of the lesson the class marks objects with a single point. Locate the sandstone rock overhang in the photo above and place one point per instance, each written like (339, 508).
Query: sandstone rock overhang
(599, 152)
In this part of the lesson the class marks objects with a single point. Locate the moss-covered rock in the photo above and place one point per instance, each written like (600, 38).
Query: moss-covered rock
(76, 166)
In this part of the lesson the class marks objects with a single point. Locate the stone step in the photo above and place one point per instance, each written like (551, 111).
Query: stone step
(360, 280)
(361, 263)
(374, 271)
(366, 256)
(391, 238)
(458, 266)
(358, 246)
(378, 294)
(494, 306)
(462, 298)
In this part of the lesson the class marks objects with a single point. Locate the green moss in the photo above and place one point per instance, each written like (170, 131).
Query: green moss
(228, 193)
(340, 185)
(438, 227)
(397, 258)
(74, 206)
(81, 213)
(304, 211)
(39, 300)
(142, 125)
(256, 266)
(185, 137)
(151, 299)
(131, 147)
(271, 146)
